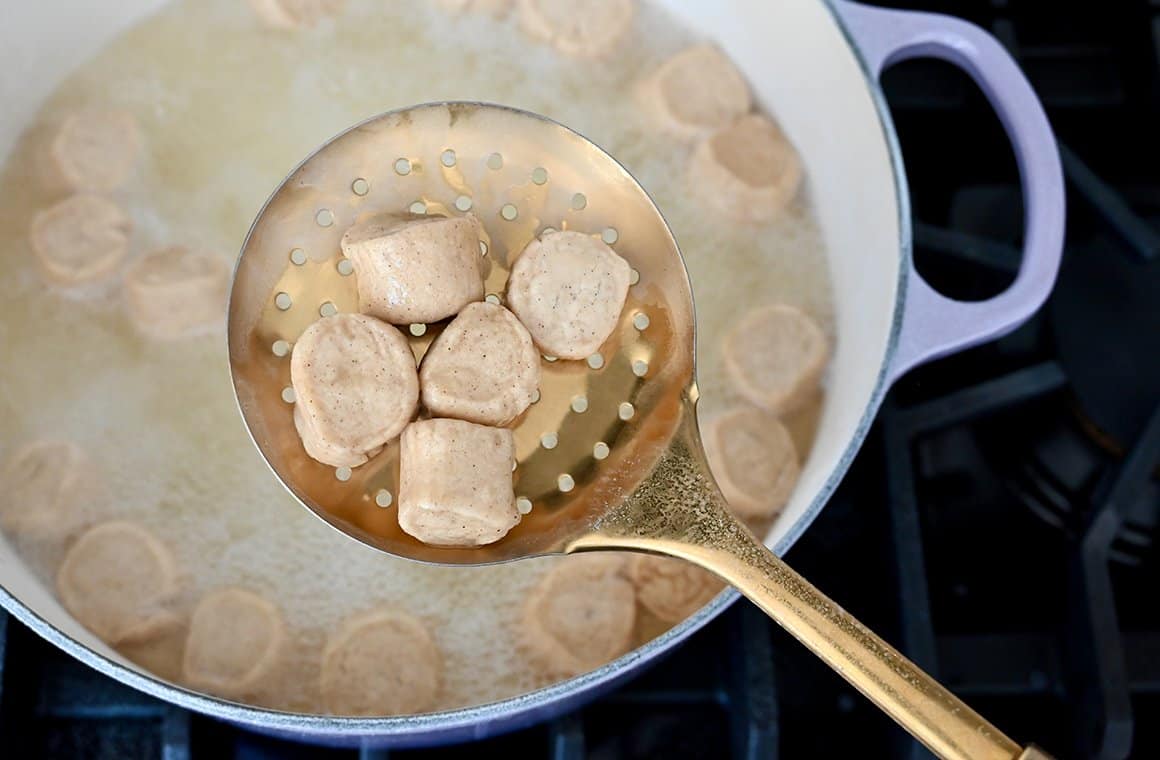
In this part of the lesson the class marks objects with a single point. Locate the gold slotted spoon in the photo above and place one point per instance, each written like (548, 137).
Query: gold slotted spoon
(609, 457)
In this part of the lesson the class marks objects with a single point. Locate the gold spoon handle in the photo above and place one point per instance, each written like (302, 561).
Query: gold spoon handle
(680, 512)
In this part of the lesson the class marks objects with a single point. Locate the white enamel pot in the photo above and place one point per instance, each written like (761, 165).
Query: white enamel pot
(818, 62)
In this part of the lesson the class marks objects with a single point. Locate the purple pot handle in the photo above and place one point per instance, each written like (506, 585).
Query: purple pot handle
(932, 324)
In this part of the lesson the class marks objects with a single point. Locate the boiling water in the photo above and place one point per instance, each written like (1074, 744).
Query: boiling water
(228, 107)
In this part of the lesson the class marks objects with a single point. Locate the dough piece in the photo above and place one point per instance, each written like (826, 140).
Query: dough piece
(235, 640)
(672, 589)
(754, 461)
(495, 8)
(95, 150)
(748, 170)
(569, 289)
(483, 368)
(381, 663)
(175, 293)
(696, 91)
(116, 580)
(41, 488)
(775, 356)
(80, 240)
(415, 269)
(580, 615)
(292, 14)
(584, 28)
(356, 385)
(455, 483)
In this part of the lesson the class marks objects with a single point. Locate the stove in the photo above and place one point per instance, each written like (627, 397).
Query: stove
(1002, 516)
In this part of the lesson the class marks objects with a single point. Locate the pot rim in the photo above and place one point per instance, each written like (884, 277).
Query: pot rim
(489, 719)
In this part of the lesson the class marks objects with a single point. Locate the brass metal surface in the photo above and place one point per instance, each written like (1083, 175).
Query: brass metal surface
(653, 491)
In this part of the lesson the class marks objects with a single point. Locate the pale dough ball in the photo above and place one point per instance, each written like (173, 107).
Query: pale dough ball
(584, 28)
(775, 356)
(356, 385)
(80, 240)
(291, 14)
(672, 589)
(95, 150)
(455, 483)
(235, 640)
(580, 616)
(754, 461)
(483, 368)
(176, 293)
(381, 663)
(415, 269)
(696, 91)
(42, 488)
(569, 289)
(748, 170)
(117, 580)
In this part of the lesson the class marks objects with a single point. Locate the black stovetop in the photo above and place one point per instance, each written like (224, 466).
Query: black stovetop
(1002, 516)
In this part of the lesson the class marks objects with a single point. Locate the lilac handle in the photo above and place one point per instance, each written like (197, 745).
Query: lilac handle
(932, 324)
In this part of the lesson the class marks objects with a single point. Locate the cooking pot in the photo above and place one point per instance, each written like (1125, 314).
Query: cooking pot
(816, 63)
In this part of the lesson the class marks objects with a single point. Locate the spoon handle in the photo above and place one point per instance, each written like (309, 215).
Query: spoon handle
(679, 511)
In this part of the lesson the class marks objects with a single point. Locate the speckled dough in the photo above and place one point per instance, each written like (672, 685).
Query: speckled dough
(775, 356)
(94, 150)
(41, 486)
(415, 269)
(80, 240)
(176, 293)
(381, 663)
(747, 170)
(754, 461)
(672, 589)
(568, 289)
(357, 387)
(483, 367)
(455, 483)
(580, 615)
(586, 28)
(235, 640)
(116, 580)
(290, 14)
(696, 91)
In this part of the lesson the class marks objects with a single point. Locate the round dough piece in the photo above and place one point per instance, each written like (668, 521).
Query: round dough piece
(381, 663)
(176, 293)
(696, 91)
(41, 488)
(95, 149)
(580, 616)
(754, 461)
(483, 368)
(775, 356)
(80, 240)
(357, 387)
(236, 638)
(569, 289)
(670, 588)
(583, 28)
(748, 170)
(292, 14)
(116, 580)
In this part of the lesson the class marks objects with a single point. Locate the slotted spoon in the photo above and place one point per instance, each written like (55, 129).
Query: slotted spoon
(609, 457)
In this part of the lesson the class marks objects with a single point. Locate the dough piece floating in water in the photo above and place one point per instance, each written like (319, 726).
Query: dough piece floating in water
(754, 461)
(455, 483)
(94, 150)
(43, 487)
(236, 638)
(80, 240)
(775, 356)
(695, 92)
(583, 28)
(747, 170)
(580, 616)
(415, 269)
(381, 663)
(670, 588)
(483, 368)
(117, 581)
(356, 387)
(176, 293)
(569, 290)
